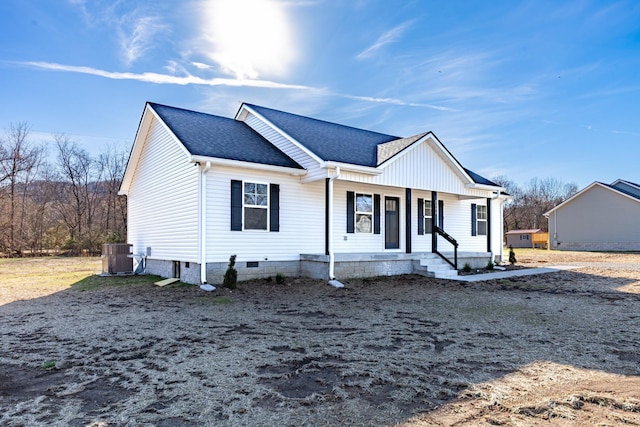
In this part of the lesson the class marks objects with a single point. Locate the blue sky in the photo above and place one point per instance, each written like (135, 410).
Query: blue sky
(522, 89)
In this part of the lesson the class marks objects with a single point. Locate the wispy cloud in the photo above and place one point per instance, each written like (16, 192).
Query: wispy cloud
(163, 78)
(394, 101)
(189, 79)
(137, 36)
(386, 38)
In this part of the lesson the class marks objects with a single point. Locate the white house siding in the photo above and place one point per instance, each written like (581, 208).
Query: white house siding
(363, 242)
(457, 222)
(301, 218)
(598, 219)
(422, 168)
(419, 243)
(163, 200)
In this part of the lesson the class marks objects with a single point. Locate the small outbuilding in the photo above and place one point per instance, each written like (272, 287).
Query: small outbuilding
(534, 238)
(601, 217)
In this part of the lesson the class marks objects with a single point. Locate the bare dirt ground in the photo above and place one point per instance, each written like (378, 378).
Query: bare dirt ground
(554, 349)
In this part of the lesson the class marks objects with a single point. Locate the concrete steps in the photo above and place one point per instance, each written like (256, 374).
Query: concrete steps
(432, 265)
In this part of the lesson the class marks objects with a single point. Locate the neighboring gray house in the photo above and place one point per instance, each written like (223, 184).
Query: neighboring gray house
(601, 217)
(299, 196)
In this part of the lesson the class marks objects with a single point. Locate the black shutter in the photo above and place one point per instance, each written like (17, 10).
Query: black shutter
(274, 207)
(351, 211)
(376, 214)
(236, 205)
(420, 217)
(474, 215)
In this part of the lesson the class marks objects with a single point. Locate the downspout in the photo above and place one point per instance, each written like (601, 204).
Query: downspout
(203, 224)
(332, 258)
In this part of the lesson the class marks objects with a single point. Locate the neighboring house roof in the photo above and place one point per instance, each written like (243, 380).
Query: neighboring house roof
(611, 187)
(219, 137)
(531, 231)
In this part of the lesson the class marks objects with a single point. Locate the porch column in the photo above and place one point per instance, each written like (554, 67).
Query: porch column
(434, 221)
(489, 224)
(408, 221)
(327, 191)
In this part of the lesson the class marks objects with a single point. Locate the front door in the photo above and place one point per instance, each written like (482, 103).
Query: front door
(391, 223)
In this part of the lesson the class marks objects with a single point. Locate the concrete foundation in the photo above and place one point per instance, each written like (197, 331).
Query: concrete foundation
(315, 266)
(596, 246)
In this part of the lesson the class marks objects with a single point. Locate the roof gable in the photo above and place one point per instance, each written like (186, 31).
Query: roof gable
(329, 141)
(586, 189)
(219, 137)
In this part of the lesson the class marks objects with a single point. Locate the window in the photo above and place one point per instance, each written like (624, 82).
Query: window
(364, 213)
(428, 212)
(482, 220)
(524, 237)
(255, 206)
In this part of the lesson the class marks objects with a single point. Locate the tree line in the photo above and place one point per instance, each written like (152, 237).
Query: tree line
(64, 200)
(531, 201)
(59, 199)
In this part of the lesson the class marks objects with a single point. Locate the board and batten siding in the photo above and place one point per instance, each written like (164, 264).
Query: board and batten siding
(302, 216)
(421, 168)
(163, 200)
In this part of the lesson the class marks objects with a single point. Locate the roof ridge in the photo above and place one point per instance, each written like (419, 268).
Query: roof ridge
(321, 121)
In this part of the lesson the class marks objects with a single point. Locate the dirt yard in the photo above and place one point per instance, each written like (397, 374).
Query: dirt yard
(554, 349)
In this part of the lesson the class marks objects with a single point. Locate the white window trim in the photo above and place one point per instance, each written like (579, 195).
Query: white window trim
(267, 207)
(479, 220)
(427, 216)
(356, 213)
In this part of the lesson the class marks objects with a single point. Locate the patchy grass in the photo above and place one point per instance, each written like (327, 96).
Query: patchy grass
(26, 278)
(214, 300)
(94, 282)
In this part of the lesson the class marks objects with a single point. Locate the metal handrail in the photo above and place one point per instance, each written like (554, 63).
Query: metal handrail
(451, 240)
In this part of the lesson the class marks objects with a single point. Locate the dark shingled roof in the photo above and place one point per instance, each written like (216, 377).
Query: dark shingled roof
(480, 179)
(213, 136)
(329, 141)
(223, 138)
(622, 190)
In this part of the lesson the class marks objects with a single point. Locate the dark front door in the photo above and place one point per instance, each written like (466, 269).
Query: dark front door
(391, 223)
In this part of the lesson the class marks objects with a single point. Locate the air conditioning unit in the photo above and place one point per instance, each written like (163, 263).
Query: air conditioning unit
(117, 258)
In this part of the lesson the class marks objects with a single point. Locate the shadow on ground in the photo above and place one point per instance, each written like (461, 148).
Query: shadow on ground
(377, 352)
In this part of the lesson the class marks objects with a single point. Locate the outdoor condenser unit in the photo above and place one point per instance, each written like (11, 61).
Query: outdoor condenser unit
(117, 258)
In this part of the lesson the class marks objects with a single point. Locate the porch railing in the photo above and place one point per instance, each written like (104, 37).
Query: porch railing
(440, 232)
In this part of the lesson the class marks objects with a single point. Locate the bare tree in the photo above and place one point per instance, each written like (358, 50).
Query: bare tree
(18, 158)
(113, 161)
(529, 204)
(77, 192)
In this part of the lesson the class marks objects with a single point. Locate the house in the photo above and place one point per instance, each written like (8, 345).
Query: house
(599, 217)
(527, 238)
(303, 197)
